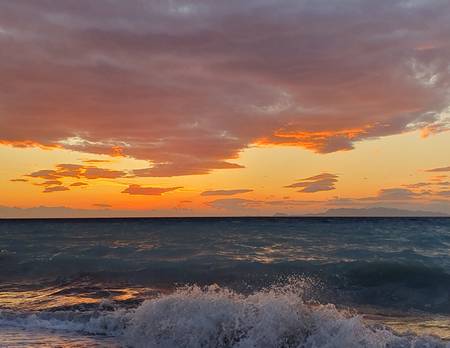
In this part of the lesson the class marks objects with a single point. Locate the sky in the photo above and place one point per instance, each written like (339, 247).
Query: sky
(213, 108)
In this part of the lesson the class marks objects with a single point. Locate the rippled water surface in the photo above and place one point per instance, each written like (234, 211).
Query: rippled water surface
(123, 281)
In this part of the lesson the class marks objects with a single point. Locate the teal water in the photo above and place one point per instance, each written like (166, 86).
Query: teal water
(113, 278)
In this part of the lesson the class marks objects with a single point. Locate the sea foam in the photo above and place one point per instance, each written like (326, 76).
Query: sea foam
(212, 316)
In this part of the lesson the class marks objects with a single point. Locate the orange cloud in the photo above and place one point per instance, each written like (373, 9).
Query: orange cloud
(148, 191)
(321, 182)
(18, 180)
(29, 143)
(321, 142)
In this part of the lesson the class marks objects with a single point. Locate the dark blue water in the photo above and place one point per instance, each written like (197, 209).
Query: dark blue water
(399, 265)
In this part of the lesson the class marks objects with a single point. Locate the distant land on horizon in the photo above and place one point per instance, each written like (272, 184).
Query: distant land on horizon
(377, 212)
(68, 213)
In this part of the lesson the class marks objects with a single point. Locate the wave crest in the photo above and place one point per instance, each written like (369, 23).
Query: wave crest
(193, 316)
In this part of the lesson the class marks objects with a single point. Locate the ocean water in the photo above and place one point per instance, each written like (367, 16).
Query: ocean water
(225, 282)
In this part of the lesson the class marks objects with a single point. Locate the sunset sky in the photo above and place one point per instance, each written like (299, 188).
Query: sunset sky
(188, 108)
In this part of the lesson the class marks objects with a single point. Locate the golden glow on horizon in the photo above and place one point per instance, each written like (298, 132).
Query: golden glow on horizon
(373, 165)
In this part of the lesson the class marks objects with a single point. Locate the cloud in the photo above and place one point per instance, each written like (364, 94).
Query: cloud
(225, 192)
(436, 181)
(290, 202)
(439, 170)
(55, 189)
(50, 183)
(418, 185)
(148, 191)
(18, 180)
(321, 182)
(77, 171)
(98, 173)
(78, 183)
(188, 90)
(239, 206)
(44, 174)
(438, 178)
(445, 193)
(102, 205)
(96, 161)
(234, 203)
(396, 194)
(183, 166)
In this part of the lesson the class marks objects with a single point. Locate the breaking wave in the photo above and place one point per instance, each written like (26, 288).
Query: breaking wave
(212, 316)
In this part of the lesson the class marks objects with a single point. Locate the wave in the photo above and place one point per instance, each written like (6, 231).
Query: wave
(395, 285)
(212, 316)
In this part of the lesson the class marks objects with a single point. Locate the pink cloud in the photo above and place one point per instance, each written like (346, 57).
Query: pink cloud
(148, 191)
(187, 91)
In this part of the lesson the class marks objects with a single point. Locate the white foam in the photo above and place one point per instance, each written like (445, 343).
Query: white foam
(218, 317)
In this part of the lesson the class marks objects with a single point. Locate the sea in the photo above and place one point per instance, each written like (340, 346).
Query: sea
(225, 282)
